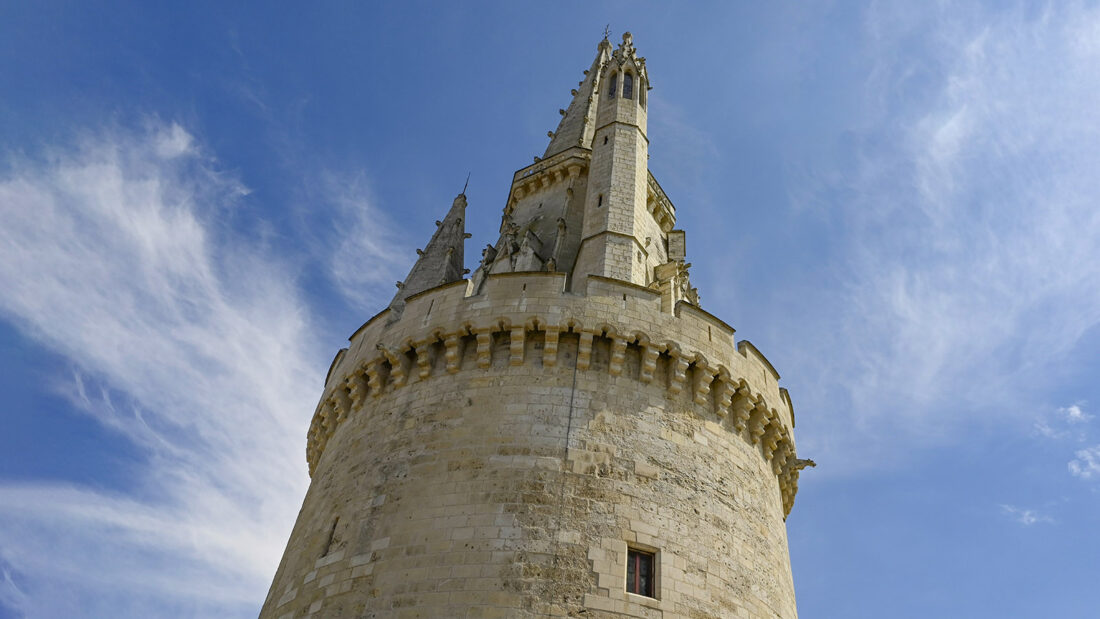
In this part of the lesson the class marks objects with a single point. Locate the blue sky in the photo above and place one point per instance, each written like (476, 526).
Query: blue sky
(896, 202)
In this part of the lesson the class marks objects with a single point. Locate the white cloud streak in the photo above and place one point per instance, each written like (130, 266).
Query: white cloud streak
(1087, 463)
(1025, 517)
(971, 226)
(185, 341)
(1065, 422)
(1074, 414)
(371, 254)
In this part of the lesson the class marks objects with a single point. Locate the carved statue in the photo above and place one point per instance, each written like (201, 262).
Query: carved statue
(488, 255)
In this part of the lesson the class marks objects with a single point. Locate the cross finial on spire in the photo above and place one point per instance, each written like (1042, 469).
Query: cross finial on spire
(467, 183)
(606, 31)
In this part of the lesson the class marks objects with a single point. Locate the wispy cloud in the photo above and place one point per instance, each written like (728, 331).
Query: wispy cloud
(11, 595)
(971, 232)
(1026, 517)
(1087, 463)
(1064, 422)
(187, 342)
(371, 253)
(685, 147)
(1073, 414)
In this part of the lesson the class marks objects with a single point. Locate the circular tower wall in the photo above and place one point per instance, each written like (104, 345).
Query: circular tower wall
(501, 455)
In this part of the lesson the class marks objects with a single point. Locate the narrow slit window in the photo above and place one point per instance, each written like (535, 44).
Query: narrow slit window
(614, 85)
(599, 200)
(628, 86)
(640, 568)
(331, 537)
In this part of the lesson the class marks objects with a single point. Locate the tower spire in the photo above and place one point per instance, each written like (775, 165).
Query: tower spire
(578, 120)
(617, 218)
(441, 261)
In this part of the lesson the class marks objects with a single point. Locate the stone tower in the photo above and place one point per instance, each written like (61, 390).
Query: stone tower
(566, 433)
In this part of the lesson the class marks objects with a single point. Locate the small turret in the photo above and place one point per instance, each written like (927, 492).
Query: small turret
(441, 261)
(616, 221)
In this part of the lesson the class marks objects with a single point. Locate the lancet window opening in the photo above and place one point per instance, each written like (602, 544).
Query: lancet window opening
(614, 86)
(628, 85)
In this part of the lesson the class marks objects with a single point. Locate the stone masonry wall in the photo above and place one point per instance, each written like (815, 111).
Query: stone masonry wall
(494, 456)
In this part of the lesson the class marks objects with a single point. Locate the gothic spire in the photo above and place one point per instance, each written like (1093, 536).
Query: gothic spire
(578, 120)
(441, 261)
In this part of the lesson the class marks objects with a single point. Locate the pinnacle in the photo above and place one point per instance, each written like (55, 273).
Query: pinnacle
(577, 122)
(441, 260)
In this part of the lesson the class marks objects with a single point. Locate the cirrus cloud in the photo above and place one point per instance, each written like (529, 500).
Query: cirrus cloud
(964, 282)
(187, 342)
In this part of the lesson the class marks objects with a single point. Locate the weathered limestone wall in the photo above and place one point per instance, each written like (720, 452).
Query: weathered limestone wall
(493, 456)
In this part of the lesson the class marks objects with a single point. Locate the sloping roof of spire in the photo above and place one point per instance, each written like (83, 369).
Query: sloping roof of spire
(578, 123)
(441, 261)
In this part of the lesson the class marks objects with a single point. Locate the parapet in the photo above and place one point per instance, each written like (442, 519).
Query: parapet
(689, 352)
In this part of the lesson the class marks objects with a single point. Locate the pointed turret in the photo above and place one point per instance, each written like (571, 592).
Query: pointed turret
(441, 262)
(578, 120)
(617, 220)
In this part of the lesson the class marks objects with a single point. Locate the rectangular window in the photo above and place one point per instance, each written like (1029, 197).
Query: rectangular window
(640, 568)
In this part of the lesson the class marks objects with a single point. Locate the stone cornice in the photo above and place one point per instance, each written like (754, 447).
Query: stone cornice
(624, 235)
(621, 122)
(550, 164)
(659, 205)
(568, 164)
(400, 355)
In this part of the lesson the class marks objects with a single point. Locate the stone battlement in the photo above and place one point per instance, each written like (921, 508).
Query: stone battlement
(528, 319)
